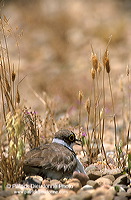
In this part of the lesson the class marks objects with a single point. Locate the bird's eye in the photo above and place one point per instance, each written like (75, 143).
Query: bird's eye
(71, 137)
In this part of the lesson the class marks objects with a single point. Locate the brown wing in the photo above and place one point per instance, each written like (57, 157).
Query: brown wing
(51, 156)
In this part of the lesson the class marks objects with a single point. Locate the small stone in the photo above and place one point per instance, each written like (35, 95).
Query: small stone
(87, 187)
(6, 193)
(73, 197)
(55, 181)
(122, 193)
(81, 195)
(115, 172)
(102, 191)
(74, 184)
(120, 198)
(13, 197)
(2, 198)
(45, 182)
(91, 168)
(129, 191)
(35, 195)
(112, 190)
(121, 180)
(99, 198)
(47, 196)
(94, 184)
(109, 176)
(103, 181)
(94, 175)
(45, 185)
(66, 192)
(57, 196)
(35, 180)
(42, 191)
(20, 196)
(55, 184)
(53, 192)
(83, 178)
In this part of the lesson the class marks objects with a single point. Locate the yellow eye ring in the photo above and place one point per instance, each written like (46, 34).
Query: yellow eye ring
(71, 137)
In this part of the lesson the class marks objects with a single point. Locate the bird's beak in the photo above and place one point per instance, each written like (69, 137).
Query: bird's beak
(78, 142)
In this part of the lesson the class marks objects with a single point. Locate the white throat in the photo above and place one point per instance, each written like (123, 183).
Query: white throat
(59, 141)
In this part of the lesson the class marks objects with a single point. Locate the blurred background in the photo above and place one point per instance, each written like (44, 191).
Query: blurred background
(55, 38)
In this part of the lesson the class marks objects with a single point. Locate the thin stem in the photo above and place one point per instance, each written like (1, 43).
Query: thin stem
(111, 93)
(114, 118)
(129, 96)
(2, 96)
(103, 125)
(7, 51)
(103, 86)
(79, 119)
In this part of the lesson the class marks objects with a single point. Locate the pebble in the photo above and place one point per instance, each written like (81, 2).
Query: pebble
(6, 193)
(102, 191)
(94, 175)
(55, 185)
(47, 196)
(115, 172)
(91, 168)
(63, 194)
(87, 187)
(83, 178)
(129, 191)
(82, 195)
(42, 191)
(120, 198)
(122, 193)
(99, 198)
(103, 181)
(13, 197)
(2, 198)
(74, 184)
(66, 192)
(121, 180)
(45, 182)
(112, 189)
(36, 180)
(57, 196)
(34, 196)
(109, 176)
(94, 184)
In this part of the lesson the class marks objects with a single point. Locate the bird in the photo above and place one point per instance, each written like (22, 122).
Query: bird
(56, 160)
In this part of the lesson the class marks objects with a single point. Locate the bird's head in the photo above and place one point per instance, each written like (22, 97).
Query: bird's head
(67, 136)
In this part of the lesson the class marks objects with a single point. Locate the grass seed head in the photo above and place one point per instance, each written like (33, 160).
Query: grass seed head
(127, 70)
(88, 105)
(102, 114)
(99, 68)
(104, 58)
(94, 61)
(80, 95)
(93, 73)
(107, 65)
(106, 62)
(17, 96)
(13, 76)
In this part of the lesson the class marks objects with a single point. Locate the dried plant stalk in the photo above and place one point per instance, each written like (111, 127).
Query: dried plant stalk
(80, 104)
